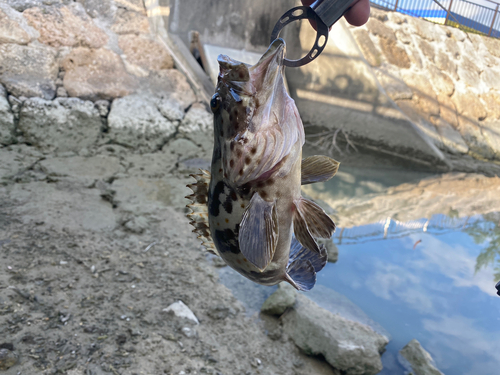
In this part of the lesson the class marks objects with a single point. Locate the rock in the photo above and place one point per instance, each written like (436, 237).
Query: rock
(103, 107)
(394, 54)
(16, 104)
(492, 101)
(28, 71)
(441, 81)
(105, 9)
(447, 110)
(403, 37)
(171, 109)
(490, 131)
(7, 359)
(491, 78)
(468, 104)
(137, 224)
(370, 52)
(180, 310)
(468, 72)
(450, 137)
(11, 31)
(7, 126)
(66, 26)
(396, 17)
(136, 121)
(456, 34)
(452, 47)
(427, 30)
(420, 360)
(378, 28)
(393, 85)
(197, 119)
(350, 347)
(493, 45)
(427, 49)
(331, 249)
(65, 124)
(135, 5)
(130, 22)
(61, 92)
(144, 52)
(85, 170)
(22, 5)
(473, 136)
(424, 95)
(279, 301)
(96, 74)
(171, 83)
(444, 63)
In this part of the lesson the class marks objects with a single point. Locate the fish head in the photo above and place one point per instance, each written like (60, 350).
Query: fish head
(246, 95)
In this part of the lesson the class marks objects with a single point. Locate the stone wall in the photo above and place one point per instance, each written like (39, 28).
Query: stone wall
(446, 81)
(76, 75)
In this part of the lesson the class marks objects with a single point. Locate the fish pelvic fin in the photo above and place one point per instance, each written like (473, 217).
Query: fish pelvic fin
(303, 265)
(310, 221)
(258, 234)
(198, 215)
(318, 168)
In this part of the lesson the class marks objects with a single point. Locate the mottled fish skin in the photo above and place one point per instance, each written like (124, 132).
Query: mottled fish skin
(254, 191)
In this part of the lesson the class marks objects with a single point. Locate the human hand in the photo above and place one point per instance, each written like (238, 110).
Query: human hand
(357, 15)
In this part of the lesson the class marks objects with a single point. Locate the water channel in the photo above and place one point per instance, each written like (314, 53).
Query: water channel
(419, 256)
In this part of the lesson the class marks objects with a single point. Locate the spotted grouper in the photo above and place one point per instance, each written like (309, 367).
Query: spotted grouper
(248, 209)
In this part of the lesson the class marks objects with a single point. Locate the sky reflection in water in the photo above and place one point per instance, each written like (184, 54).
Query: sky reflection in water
(430, 292)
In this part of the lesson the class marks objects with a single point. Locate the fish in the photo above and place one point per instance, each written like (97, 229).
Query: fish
(248, 209)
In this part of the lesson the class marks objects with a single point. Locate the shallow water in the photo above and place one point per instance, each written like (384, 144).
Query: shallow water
(430, 278)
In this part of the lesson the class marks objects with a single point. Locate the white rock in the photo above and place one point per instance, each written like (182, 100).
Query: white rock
(6, 119)
(182, 311)
(420, 360)
(136, 121)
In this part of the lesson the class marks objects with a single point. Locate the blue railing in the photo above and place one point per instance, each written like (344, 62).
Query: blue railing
(481, 17)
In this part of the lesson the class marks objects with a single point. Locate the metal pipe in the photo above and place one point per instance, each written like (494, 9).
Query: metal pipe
(494, 19)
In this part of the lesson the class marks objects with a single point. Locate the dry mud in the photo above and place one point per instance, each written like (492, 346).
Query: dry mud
(94, 247)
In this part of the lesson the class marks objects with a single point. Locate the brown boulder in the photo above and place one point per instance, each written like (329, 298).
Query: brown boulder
(172, 83)
(11, 31)
(493, 46)
(144, 52)
(28, 71)
(380, 29)
(444, 63)
(452, 47)
(96, 74)
(130, 22)
(469, 105)
(66, 26)
(394, 54)
(427, 49)
(441, 81)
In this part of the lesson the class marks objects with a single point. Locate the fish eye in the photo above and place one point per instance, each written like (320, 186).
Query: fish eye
(215, 102)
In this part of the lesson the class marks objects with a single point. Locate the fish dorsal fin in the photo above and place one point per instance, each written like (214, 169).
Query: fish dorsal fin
(199, 209)
(318, 168)
(310, 220)
(258, 234)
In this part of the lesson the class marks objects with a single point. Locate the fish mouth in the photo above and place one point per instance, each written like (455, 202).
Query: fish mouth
(270, 66)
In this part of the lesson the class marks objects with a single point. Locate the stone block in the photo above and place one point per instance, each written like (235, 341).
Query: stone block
(370, 52)
(136, 121)
(28, 71)
(492, 101)
(6, 119)
(450, 138)
(130, 22)
(279, 301)
(62, 125)
(473, 136)
(66, 26)
(172, 83)
(493, 46)
(491, 131)
(469, 105)
(11, 31)
(452, 47)
(427, 49)
(441, 81)
(104, 9)
(394, 54)
(144, 52)
(468, 72)
(378, 28)
(96, 74)
(491, 78)
(444, 63)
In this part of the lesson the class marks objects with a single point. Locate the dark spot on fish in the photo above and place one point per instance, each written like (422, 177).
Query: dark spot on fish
(228, 206)
(220, 170)
(233, 195)
(245, 140)
(227, 221)
(260, 184)
(227, 240)
(215, 203)
(231, 163)
(263, 194)
(248, 160)
(270, 182)
(239, 152)
(241, 172)
(253, 151)
(232, 146)
(222, 132)
(243, 205)
(241, 74)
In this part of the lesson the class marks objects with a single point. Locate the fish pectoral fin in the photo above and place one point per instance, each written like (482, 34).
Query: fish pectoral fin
(258, 234)
(318, 168)
(299, 252)
(301, 275)
(310, 220)
(198, 215)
